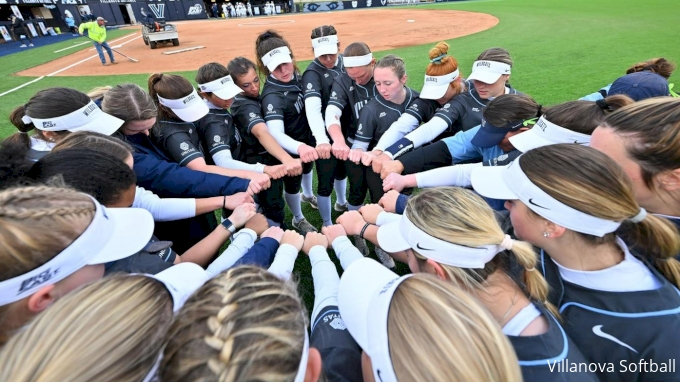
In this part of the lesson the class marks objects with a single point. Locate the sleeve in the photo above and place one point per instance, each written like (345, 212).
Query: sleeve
(386, 217)
(333, 114)
(338, 97)
(600, 94)
(346, 251)
(457, 175)
(326, 280)
(340, 354)
(284, 261)
(451, 111)
(168, 179)
(365, 129)
(81, 28)
(460, 146)
(215, 131)
(504, 159)
(181, 148)
(164, 209)
(402, 126)
(277, 130)
(225, 160)
(261, 253)
(249, 115)
(241, 242)
(426, 158)
(401, 204)
(316, 120)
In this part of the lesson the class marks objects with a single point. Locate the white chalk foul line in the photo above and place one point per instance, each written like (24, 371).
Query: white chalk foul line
(62, 69)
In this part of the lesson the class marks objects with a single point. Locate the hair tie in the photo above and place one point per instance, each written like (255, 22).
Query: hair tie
(23, 132)
(438, 59)
(506, 244)
(639, 217)
(530, 269)
(602, 104)
(539, 112)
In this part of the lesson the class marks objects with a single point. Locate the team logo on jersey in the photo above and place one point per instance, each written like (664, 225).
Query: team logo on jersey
(191, 131)
(338, 324)
(334, 94)
(361, 127)
(184, 146)
(252, 115)
(448, 105)
(285, 94)
(217, 139)
(270, 108)
(351, 88)
(597, 329)
(475, 109)
(325, 75)
(382, 114)
(310, 86)
(414, 106)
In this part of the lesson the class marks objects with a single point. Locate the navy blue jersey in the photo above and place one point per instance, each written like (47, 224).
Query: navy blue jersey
(317, 81)
(246, 113)
(341, 355)
(541, 357)
(629, 336)
(179, 140)
(217, 133)
(423, 109)
(283, 101)
(350, 97)
(379, 114)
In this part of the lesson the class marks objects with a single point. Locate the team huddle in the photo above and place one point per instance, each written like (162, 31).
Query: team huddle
(541, 241)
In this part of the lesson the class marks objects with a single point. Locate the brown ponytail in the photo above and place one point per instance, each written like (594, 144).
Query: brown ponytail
(22, 136)
(660, 66)
(169, 86)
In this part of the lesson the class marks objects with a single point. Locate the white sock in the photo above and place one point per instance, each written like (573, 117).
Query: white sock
(307, 184)
(340, 187)
(293, 201)
(325, 209)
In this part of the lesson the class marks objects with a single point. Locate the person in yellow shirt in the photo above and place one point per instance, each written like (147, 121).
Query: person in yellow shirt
(96, 30)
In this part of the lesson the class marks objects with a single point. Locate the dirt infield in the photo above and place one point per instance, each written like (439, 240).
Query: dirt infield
(226, 39)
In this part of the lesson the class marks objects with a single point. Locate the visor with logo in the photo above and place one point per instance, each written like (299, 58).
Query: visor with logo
(511, 183)
(88, 118)
(325, 45)
(224, 87)
(435, 87)
(189, 109)
(113, 234)
(276, 57)
(488, 71)
(546, 133)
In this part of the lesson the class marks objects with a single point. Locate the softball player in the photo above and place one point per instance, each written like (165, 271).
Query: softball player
(180, 113)
(659, 66)
(600, 286)
(442, 83)
(54, 113)
(453, 234)
(317, 81)
(489, 77)
(283, 109)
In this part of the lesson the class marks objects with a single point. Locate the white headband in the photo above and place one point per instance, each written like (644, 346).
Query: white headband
(355, 61)
(71, 121)
(325, 40)
(302, 368)
(74, 257)
(281, 54)
(440, 80)
(491, 66)
(550, 208)
(558, 134)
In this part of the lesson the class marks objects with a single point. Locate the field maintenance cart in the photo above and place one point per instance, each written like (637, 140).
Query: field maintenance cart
(159, 32)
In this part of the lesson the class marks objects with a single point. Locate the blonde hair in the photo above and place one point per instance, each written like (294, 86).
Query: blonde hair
(462, 217)
(591, 182)
(129, 102)
(61, 215)
(98, 92)
(111, 330)
(442, 64)
(243, 325)
(438, 332)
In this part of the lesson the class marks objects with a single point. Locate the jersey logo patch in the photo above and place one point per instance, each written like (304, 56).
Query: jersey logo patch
(360, 128)
(338, 324)
(217, 138)
(597, 329)
(252, 115)
(334, 94)
(414, 106)
(475, 109)
(382, 114)
(309, 86)
(270, 108)
(325, 75)
(184, 146)
(285, 94)
(448, 105)
(351, 88)
(191, 131)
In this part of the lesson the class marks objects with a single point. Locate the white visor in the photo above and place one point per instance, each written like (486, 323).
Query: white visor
(435, 87)
(364, 295)
(182, 280)
(510, 183)
(402, 234)
(189, 109)
(224, 87)
(276, 57)
(325, 45)
(356, 61)
(488, 71)
(113, 234)
(88, 118)
(546, 133)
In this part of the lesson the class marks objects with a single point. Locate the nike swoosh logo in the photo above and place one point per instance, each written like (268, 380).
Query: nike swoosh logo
(424, 249)
(580, 143)
(532, 202)
(597, 329)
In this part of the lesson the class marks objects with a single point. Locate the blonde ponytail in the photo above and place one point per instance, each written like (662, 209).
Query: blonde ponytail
(535, 284)
(660, 241)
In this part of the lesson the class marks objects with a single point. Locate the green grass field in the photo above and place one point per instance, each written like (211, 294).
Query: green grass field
(561, 49)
